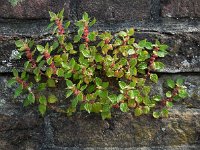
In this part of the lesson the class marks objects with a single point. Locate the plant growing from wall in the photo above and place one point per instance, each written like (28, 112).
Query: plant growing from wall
(102, 72)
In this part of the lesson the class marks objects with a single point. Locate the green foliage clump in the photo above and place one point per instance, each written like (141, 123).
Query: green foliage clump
(101, 71)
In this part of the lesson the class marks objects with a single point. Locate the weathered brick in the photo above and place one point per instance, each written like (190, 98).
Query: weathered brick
(125, 131)
(116, 10)
(181, 8)
(30, 9)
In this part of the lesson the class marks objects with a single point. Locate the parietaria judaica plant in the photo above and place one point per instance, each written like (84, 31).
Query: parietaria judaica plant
(102, 72)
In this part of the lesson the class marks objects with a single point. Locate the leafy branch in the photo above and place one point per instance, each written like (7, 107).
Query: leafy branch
(102, 71)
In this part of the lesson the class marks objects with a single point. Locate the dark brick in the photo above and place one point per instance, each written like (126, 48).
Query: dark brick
(184, 51)
(116, 10)
(181, 8)
(124, 130)
(36, 9)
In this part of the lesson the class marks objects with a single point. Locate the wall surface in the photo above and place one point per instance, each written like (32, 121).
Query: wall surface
(175, 22)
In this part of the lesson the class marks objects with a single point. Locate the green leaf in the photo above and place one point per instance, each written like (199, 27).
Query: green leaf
(140, 82)
(72, 63)
(91, 88)
(146, 109)
(19, 43)
(18, 91)
(98, 58)
(157, 98)
(67, 24)
(106, 108)
(85, 16)
(52, 99)
(69, 46)
(131, 41)
(69, 83)
(31, 98)
(158, 65)
(142, 43)
(26, 103)
(113, 98)
(142, 66)
(154, 77)
(37, 78)
(182, 93)
(130, 31)
(41, 64)
(143, 56)
(80, 96)
(60, 72)
(52, 15)
(41, 86)
(156, 114)
(51, 83)
(146, 90)
(42, 109)
(120, 97)
(68, 93)
(110, 72)
(131, 51)
(122, 34)
(162, 53)
(40, 48)
(124, 107)
(88, 107)
(164, 112)
(169, 94)
(92, 36)
(170, 83)
(15, 72)
(43, 100)
(11, 82)
(92, 22)
(138, 111)
(36, 71)
(179, 82)
(105, 85)
(26, 65)
(77, 38)
(139, 99)
(55, 45)
(132, 84)
(60, 14)
(49, 72)
(86, 53)
(98, 81)
(133, 62)
(97, 107)
(122, 85)
(50, 25)
(39, 58)
(83, 87)
(133, 93)
(49, 61)
(148, 45)
(106, 115)
(163, 47)
(117, 42)
(169, 104)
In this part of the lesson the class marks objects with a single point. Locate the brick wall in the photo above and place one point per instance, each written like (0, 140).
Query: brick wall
(175, 22)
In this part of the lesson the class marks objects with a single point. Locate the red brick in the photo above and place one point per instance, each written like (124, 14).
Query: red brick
(32, 9)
